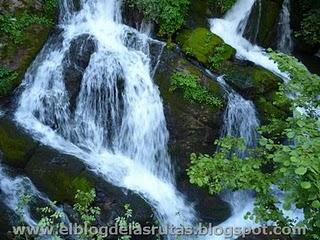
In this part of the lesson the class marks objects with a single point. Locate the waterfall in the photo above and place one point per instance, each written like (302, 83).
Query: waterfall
(117, 126)
(231, 29)
(285, 41)
(240, 120)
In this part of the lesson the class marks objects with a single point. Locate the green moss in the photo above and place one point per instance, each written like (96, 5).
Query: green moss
(16, 147)
(202, 44)
(23, 34)
(63, 185)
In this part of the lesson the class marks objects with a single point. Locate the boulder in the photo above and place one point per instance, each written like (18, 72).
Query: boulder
(193, 128)
(75, 62)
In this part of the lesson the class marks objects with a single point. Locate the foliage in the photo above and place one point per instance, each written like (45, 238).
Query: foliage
(126, 222)
(223, 5)
(219, 56)
(310, 27)
(168, 14)
(83, 206)
(24, 200)
(193, 90)
(294, 168)
(8, 79)
(15, 27)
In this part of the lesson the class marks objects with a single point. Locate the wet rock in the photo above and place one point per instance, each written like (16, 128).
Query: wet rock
(16, 146)
(61, 175)
(259, 85)
(5, 221)
(131, 16)
(193, 128)
(267, 14)
(75, 62)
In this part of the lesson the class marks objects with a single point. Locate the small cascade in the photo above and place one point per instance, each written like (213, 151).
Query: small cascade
(13, 188)
(231, 29)
(285, 41)
(240, 120)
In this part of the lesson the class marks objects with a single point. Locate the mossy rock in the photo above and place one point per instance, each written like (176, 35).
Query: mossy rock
(202, 44)
(57, 174)
(16, 146)
(250, 80)
(17, 56)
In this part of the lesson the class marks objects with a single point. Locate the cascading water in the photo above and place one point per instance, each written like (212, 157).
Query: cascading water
(231, 29)
(12, 189)
(118, 126)
(240, 120)
(285, 41)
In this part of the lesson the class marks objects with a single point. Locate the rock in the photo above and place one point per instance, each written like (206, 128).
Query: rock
(131, 16)
(203, 44)
(5, 221)
(198, 14)
(259, 85)
(193, 128)
(17, 147)
(61, 175)
(267, 14)
(75, 62)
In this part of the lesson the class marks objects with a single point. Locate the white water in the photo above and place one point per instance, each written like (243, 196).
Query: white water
(285, 41)
(11, 189)
(240, 120)
(231, 29)
(120, 133)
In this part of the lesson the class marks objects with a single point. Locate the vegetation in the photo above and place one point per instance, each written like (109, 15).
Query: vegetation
(310, 27)
(88, 215)
(8, 79)
(292, 168)
(193, 90)
(168, 14)
(205, 46)
(223, 5)
(15, 27)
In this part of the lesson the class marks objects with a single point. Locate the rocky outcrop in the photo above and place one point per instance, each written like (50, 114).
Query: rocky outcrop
(193, 128)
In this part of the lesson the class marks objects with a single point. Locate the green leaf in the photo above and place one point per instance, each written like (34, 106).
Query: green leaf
(315, 204)
(301, 171)
(305, 185)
